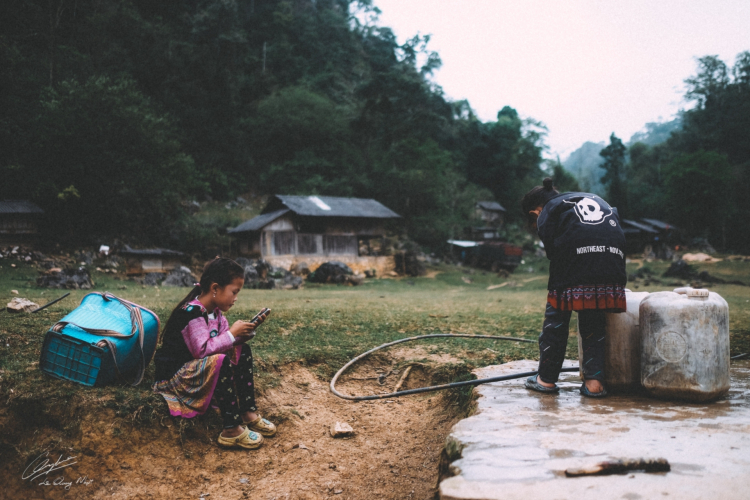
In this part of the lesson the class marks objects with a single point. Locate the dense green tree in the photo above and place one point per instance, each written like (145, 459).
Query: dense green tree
(563, 180)
(614, 174)
(302, 141)
(111, 101)
(105, 162)
(698, 187)
(505, 155)
(646, 180)
(419, 181)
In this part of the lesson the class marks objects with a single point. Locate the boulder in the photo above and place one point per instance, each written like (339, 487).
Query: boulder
(263, 268)
(114, 261)
(277, 272)
(251, 275)
(180, 276)
(19, 304)
(680, 269)
(355, 279)
(300, 269)
(331, 272)
(244, 262)
(291, 282)
(261, 275)
(85, 257)
(152, 279)
(71, 279)
(408, 263)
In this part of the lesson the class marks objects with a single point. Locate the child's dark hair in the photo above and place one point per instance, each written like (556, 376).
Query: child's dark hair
(220, 271)
(537, 197)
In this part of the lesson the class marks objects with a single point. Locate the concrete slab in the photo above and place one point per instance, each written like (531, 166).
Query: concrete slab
(519, 443)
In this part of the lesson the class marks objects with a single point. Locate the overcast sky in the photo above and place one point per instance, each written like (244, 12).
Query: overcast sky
(585, 68)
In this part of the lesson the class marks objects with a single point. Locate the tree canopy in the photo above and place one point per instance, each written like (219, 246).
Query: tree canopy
(118, 110)
(697, 177)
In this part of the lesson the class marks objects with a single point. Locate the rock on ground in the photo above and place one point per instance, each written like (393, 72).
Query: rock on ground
(180, 276)
(19, 304)
(262, 275)
(152, 279)
(409, 263)
(341, 429)
(301, 269)
(331, 272)
(71, 279)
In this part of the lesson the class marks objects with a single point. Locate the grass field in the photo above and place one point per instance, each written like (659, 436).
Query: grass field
(323, 326)
(128, 443)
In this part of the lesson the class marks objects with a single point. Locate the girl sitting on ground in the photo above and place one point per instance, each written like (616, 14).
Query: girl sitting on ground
(202, 358)
(585, 245)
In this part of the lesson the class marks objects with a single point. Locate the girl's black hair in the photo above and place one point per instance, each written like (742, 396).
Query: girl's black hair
(220, 271)
(537, 197)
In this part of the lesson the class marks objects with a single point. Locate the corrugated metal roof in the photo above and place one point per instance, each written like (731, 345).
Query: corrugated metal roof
(19, 207)
(332, 206)
(659, 224)
(257, 223)
(642, 227)
(463, 243)
(150, 251)
(491, 205)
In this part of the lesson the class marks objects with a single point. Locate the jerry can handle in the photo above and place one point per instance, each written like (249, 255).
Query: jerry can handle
(693, 293)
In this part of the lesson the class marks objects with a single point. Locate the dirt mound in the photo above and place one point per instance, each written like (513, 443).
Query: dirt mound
(393, 454)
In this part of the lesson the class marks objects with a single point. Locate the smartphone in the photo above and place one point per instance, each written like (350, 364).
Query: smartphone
(259, 318)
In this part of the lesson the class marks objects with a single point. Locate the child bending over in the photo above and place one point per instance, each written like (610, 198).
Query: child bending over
(585, 245)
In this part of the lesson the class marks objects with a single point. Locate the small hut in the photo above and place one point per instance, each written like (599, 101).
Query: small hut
(491, 213)
(316, 229)
(151, 260)
(19, 220)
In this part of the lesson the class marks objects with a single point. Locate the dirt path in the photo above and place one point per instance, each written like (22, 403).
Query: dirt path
(393, 455)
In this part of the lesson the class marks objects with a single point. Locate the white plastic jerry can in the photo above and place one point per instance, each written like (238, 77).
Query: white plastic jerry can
(685, 344)
(622, 357)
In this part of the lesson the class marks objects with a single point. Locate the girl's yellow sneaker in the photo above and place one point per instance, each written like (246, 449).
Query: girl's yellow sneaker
(248, 440)
(261, 426)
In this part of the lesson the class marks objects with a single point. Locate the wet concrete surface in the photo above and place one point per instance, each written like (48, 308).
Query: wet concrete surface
(519, 443)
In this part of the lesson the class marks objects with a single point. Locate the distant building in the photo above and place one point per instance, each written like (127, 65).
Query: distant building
(650, 236)
(19, 220)
(491, 213)
(316, 229)
(151, 260)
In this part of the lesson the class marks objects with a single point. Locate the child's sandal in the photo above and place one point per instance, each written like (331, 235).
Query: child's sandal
(533, 384)
(586, 392)
(247, 439)
(261, 426)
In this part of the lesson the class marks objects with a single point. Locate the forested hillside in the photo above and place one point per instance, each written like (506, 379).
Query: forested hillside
(117, 111)
(698, 178)
(585, 162)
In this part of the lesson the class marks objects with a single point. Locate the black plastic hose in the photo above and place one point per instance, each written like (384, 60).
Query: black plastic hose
(434, 387)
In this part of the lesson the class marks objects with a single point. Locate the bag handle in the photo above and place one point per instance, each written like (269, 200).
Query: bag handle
(136, 321)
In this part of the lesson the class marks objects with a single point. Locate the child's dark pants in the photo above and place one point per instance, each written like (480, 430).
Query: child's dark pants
(235, 392)
(554, 340)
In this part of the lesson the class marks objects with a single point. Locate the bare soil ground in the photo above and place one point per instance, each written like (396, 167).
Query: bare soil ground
(394, 453)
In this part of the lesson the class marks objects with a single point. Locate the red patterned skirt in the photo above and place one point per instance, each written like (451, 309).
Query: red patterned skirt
(583, 297)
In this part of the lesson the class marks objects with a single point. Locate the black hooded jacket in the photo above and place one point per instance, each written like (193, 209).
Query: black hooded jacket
(583, 240)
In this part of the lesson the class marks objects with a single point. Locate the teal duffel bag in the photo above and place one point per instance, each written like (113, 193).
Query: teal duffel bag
(105, 339)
